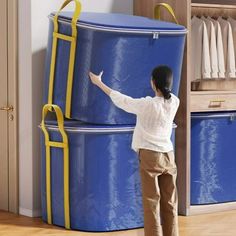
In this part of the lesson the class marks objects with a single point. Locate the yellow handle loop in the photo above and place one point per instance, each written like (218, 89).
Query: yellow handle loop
(60, 119)
(72, 40)
(65, 146)
(157, 11)
(74, 19)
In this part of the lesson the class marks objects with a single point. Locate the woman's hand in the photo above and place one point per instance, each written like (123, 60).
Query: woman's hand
(96, 79)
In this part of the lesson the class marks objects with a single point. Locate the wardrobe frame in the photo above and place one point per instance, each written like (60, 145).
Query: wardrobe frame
(192, 101)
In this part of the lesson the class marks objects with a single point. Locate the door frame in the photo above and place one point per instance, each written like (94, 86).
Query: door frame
(13, 149)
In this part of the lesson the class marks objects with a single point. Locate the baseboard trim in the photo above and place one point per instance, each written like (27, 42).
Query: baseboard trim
(29, 213)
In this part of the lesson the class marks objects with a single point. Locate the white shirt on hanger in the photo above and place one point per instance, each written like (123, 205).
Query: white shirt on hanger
(228, 46)
(213, 49)
(219, 46)
(233, 26)
(200, 59)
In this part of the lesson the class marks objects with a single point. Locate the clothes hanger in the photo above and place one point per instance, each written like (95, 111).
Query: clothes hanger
(199, 16)
(214, 17)
(231, 18)
(223, 17)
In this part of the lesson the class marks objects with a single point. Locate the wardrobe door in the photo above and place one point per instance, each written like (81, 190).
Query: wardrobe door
(8, 101)
(3, 109)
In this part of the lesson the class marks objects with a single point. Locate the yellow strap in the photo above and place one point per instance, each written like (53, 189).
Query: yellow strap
(64, 37)
(64, 145)
(56, 144)
(48, 184)
(70, 80)
(157, 11)
(52, 70)
(72, 39)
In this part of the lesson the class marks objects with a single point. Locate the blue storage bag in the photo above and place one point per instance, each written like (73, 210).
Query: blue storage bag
(104, 181)
(125, 47)
(213, 157)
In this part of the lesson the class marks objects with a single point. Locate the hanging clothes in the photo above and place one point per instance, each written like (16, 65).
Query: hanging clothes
(200, 60)
(233, 26)
(220, 49)
(228, 47)
(212, 46)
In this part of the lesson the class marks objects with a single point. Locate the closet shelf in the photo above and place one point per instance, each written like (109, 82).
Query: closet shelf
(214, 85)
(218, 6)
(213, 92)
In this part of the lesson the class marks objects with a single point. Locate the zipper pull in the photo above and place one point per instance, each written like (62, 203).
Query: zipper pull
(155, 35)
(233, 117)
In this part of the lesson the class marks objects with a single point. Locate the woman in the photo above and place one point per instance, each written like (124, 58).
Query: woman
(152, 141)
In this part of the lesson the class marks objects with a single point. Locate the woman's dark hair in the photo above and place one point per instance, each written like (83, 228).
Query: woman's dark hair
(162, 78)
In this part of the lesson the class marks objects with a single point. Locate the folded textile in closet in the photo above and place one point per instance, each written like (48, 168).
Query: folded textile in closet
(228, 47)
(200, 60)
(212, 46)
(219, 47)
(233, 26)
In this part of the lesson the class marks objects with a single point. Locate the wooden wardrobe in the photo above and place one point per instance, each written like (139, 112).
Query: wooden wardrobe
(193, 101)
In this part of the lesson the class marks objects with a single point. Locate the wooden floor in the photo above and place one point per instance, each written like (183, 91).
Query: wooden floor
(220, 224)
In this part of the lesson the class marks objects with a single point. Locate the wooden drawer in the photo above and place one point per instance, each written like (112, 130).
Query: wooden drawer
(213, 101)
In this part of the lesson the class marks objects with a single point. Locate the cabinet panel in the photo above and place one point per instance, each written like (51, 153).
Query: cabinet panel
(201, 102)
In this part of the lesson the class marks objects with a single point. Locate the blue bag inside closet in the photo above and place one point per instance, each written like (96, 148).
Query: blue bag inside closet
(213, 157)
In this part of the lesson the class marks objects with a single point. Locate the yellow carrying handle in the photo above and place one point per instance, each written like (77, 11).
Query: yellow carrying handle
(65, 146)
(157, 11)
(72, 40)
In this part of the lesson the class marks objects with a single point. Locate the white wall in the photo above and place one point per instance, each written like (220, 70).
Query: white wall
(123, 6)
(25, 108)
(33, 33)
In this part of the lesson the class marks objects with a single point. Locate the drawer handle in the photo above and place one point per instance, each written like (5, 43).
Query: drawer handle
(216, 103)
